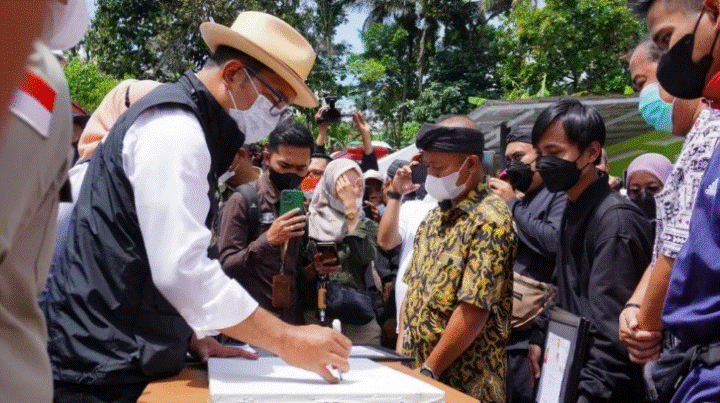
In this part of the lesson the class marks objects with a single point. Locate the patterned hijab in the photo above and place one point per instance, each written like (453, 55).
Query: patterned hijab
(326, 221)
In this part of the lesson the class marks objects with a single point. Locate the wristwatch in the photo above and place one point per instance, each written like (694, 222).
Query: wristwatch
(394, 195)
(425, 370)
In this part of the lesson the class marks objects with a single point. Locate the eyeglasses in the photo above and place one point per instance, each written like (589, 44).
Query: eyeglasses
(280, 104)
(652, 189)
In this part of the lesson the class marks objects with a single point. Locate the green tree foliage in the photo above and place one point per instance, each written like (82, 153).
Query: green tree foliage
(386, 80)
(88, 85)
(568, 47)
(425, 59)
(119, 37)
(159, 39)
(422, 59)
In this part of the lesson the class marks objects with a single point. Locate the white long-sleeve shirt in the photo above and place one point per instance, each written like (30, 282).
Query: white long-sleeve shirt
(167, 161)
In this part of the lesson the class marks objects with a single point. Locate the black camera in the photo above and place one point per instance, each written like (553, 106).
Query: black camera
(331, 114)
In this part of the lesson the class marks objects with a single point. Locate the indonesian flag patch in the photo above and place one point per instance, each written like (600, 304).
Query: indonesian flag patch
(33, 103)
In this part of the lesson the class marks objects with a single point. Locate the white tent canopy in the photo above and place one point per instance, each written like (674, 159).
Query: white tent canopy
(403, 154)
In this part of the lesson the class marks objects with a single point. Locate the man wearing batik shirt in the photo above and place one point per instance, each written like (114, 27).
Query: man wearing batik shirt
(456, 315)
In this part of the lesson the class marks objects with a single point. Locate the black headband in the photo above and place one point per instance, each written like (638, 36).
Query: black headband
(451, 139)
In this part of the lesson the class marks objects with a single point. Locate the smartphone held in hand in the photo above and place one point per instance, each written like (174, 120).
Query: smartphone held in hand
(291, 199)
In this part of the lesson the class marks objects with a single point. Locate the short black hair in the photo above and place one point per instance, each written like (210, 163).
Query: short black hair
(582, 124)
(224, 54)
(641, 7)
(290, 133)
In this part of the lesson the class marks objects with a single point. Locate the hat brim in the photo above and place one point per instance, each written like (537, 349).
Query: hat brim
(216, 35)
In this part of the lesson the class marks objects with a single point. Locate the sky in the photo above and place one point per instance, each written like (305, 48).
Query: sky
(350, 31)
(90, 7)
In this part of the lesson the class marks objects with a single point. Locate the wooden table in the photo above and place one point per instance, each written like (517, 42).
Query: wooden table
(191, 386)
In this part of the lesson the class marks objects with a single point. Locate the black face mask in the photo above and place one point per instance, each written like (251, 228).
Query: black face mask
(558, 174)
(646, 202)
(678, 74)
(284, 181)
(520, 175)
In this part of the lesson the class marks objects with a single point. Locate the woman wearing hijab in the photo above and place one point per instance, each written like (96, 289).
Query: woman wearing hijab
(336, 224)
(646, 176)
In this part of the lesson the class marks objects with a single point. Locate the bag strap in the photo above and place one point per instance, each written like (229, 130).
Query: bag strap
(709, 355)
(252, 207)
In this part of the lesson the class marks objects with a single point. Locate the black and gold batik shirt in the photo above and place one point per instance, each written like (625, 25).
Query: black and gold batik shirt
(463, 254)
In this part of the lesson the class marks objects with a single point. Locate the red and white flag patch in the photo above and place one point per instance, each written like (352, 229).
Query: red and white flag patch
(34, 102)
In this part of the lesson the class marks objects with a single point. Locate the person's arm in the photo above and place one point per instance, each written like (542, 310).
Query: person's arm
(309, 347)
(369, 160)
(166, 160)
(400, 328)
(540, 235)
(642, 345)
(26, 24)
(388, 230)
(622, 250)
(466, 323)
(322, 132)
(236, 254)
(652, 304)
(674, 233)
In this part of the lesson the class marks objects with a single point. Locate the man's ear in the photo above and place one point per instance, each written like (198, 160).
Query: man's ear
(475, 165)
(230, 70)
(594, 152)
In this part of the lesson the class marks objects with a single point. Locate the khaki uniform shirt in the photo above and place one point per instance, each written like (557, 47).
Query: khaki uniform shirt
(254, 263)
(464, 254)
(35, 155)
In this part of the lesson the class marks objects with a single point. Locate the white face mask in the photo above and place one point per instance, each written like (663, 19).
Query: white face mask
(444, 188)
(65, 25)
(256, 122)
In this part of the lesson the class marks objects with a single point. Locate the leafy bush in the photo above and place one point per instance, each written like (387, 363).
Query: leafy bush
(88, 85)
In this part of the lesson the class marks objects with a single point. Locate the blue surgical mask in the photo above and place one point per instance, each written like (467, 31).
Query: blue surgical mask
(656, 112)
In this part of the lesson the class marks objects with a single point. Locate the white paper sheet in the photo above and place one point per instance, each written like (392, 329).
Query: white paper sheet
(270, 380)
(553, 369)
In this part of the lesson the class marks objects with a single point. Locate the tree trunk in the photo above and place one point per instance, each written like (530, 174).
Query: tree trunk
(421, 56)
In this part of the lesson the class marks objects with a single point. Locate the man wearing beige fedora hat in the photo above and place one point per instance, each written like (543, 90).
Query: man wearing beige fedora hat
(135, 283)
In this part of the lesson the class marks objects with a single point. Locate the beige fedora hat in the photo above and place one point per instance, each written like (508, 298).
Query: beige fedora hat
(272, 42)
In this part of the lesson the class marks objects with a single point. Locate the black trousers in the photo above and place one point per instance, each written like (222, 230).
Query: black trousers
(517, 379)
(67, 392)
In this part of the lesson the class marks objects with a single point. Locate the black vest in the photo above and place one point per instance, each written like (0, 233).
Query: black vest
(107, 322)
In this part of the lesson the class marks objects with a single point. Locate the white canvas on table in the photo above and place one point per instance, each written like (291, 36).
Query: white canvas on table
(271, 380)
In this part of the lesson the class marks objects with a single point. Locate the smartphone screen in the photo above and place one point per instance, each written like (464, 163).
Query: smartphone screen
(418, 173)
(291, 199)
(490, 163)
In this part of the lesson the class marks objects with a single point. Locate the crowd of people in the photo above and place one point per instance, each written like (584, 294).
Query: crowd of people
(200, 214)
